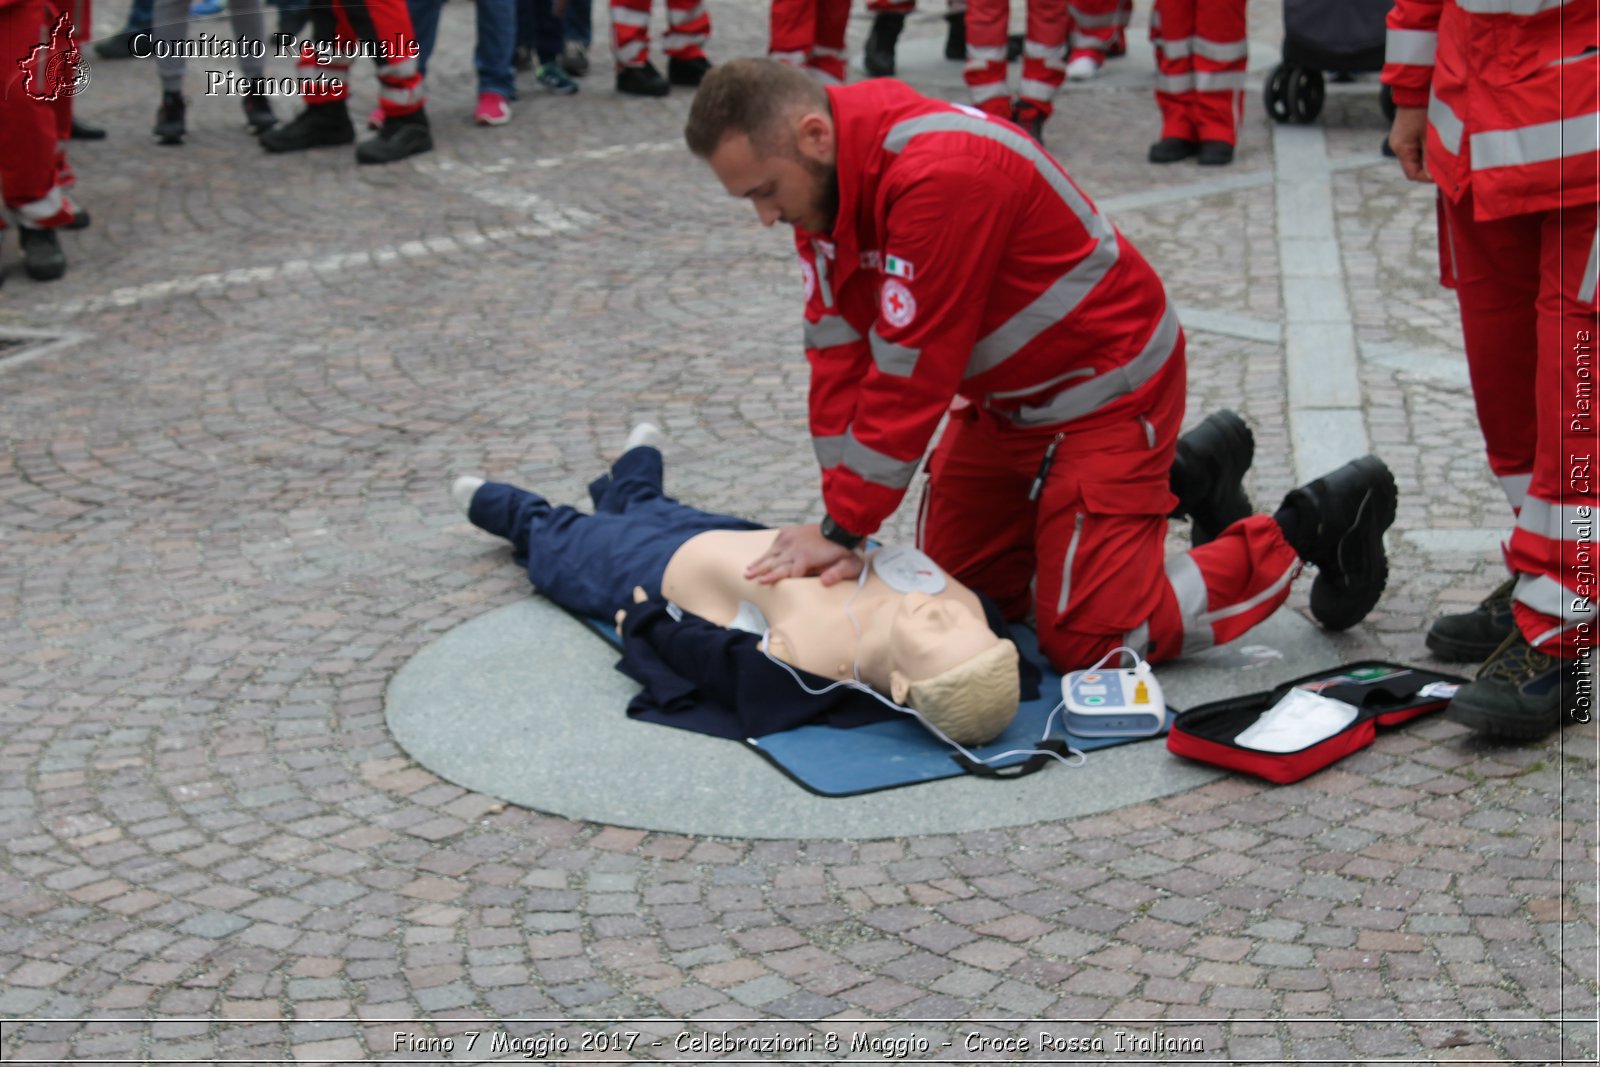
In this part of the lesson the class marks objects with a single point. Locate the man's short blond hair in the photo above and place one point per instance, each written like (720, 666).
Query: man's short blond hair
(975, 701)
(749, 96)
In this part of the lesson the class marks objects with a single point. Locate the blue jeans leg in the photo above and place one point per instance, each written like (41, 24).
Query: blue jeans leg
(497, 41)
(425, 25)
(578, 22)
(141, 15)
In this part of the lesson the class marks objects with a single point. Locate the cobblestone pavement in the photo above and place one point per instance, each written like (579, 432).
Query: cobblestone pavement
(225, 525)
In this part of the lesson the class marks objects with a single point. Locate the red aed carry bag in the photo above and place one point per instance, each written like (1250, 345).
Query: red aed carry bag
(1383, 694)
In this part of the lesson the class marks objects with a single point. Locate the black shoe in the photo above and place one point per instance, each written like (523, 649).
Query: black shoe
(643, 80)
(169, 128)
(291, 20)
(1518, 693)
(316, 127)
(878, 58)
(955, 35)
(1031, 119)
(42, 257)
(522, 57)
(117, 46)
(80, 220)
(1208, 475)
(1172, 149)
(82, 131)
(1014, 47)
(1470, 636)
(257, 111)
(1213, 154)
(1340, 519)
(401, 136)
(688, 72)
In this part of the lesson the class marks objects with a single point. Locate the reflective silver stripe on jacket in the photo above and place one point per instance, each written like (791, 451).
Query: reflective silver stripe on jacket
(897, 360)
(1587, 286)
(1220, 51)
(824, 287)
(1556, 522)
(1511, 7)
(1189, 587)
(1412, 47)
(876, 467)
(1547, 596)
(830, 330)
(1097, 392)
(1445, 124)
(829, 450)
(1538, 143)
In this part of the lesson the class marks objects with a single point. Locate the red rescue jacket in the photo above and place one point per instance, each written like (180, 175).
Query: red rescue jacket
(1512, 89)
(964, 262)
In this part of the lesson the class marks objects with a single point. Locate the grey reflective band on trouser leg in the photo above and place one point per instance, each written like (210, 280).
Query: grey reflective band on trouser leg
(1097, 392)
(1445, 124)
(1587, 286)
(1091, 21)
(1515, 487)
(830, 331)
(1031, 89)
(1212, 81)
(829, 450)
(1557, 522)
(1539, 143)
(1547, 596)
(1138, 639)
(892, 359)
(876, 467)
(1218, 51)
(1411, 47)
(1254, 602)
(1189, 587)
(1511, 7)
(1066, 565)
(624, 16)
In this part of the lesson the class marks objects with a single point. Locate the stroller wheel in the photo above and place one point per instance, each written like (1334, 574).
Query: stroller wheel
(1307, 90)
(1275, 94)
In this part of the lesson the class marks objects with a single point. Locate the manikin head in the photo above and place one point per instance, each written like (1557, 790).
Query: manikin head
(767, 131)
(947, 664)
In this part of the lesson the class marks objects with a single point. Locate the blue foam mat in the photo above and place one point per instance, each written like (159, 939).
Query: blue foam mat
(834, 762)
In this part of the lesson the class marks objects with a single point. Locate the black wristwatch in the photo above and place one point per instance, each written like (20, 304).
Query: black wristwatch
(839, 535)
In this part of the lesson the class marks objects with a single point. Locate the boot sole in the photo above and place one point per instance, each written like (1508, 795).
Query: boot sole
(1384, 499)
(1485, 722)
(1223, 433)
(1448, 648)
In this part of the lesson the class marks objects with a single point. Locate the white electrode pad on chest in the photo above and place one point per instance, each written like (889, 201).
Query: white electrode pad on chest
(908, 570)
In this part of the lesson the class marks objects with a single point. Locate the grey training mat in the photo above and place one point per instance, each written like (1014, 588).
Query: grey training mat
(522, 703)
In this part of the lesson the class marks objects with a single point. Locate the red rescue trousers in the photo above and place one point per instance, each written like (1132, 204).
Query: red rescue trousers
(1044, 54)
(381, 24)
(810, 34)
(1201, 51)
(1088, 555)
(1526, 285)
(688, 29)
(1095, 28)
(32, 161)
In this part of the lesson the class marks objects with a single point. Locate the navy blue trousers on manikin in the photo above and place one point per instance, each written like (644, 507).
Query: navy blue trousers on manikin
(590, 563)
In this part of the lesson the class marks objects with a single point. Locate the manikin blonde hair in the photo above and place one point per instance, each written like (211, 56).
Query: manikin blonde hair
(974, 701)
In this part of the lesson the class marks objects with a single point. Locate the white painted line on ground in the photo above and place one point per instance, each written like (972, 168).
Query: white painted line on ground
(52, 341)
(1440, 370)
(1203, 320)
(1177, 194)
(1467, 541)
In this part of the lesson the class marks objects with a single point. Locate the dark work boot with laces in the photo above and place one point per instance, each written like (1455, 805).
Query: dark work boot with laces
(1470, 636)
(400, 137)
(318, 126)
(1519, 692)
(1337, 524)
(1208, 474)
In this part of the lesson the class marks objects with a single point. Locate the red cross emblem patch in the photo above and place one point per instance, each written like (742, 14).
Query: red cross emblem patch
(897, 304)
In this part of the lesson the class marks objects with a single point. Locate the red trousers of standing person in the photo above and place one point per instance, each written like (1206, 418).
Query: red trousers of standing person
(31, 160)
(1087, 557)
(1526, 285)
(340, 23)
(688, 29)
(810, 34)
(1096, 28)
(1201, 50)
(1044, 55)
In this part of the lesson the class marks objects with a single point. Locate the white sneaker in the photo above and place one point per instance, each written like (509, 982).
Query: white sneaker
(1083, 68)
(462, 491)
(646, 433)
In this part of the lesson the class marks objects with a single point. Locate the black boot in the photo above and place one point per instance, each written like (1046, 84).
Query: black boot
(1214, 154)
(82, 131)
(315, 127)
(169, 127)
(1337, 523)
(642, 80)
(401, 136)
(688, 72)
(1029, 118)
(257, 111)
(881, 40)
(42, 257)
(1208, 474)
(118, 46)
(1519, 692)
(1171, 149)
(955, 36)
(1471, 636)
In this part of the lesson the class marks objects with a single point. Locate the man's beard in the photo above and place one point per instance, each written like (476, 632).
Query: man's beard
(826, 205)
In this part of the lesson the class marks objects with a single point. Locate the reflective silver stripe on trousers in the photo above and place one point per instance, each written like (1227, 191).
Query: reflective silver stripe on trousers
(1254, 602)
(1174, 83)
(1220, 51)
(1412, 47)
(890, 358)
(824, 287)
(1511, 7)
(1190, 590)
(1029, 89)
(1515, 487)
(1539, 143)
(1211, 81)
(1083, 42)
(402, 68)
(1557, 522)
(980, 93)
(625, 16)
(1066, 565)
(628, 53)
(1445, 124)
(679, 18)
(1035, 50)
(48, 204)
(1138, 639)
(1587, 286)
(1099, 391)
(829, 331)
(1554, 631)
(398, 95)
(1547, 596)
(975, 54)
(1091, 22)
(829, 450)
(683, 40)
(876, 467)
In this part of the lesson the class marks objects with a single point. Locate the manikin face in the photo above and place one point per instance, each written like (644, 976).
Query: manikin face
(798, 186)
(930, 635)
